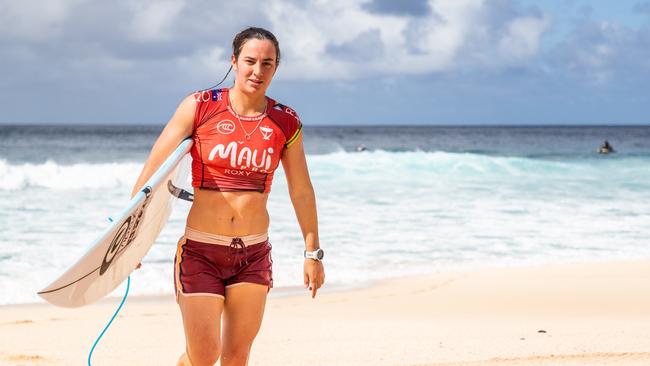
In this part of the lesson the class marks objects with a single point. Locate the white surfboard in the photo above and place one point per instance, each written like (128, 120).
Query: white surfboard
(119, 249)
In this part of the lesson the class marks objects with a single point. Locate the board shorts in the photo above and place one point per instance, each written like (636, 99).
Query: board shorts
(206, 264)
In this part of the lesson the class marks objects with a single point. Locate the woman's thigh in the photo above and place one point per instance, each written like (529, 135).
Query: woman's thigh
(242, 317)
(202, 323)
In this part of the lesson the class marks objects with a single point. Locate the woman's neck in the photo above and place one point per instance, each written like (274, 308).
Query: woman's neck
(247, 105)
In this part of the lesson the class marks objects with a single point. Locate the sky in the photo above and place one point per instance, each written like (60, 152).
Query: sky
(343, 62)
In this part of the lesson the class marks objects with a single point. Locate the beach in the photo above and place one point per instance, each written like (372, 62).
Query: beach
(444, 246)
(476, 173)
(571, 314)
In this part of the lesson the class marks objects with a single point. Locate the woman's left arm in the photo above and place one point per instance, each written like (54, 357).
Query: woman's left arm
(303, 199)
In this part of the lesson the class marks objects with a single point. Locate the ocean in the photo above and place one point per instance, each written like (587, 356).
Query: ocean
(417, 200)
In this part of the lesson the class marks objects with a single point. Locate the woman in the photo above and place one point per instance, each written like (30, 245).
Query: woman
(223, 262)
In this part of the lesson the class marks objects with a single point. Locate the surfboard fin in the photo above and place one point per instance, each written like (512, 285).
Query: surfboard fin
(179, 192)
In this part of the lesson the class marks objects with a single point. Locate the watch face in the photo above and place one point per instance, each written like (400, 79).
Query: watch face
(316, 254)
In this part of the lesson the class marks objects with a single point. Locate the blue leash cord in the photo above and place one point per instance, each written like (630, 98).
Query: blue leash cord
(128, 284)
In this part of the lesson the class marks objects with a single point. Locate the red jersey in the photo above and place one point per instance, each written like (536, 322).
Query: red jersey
(238, 153)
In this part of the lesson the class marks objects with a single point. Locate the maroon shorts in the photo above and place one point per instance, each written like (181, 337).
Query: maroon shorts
(207, 269)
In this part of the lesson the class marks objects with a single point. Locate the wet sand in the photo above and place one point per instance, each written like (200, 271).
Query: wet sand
(576, 314)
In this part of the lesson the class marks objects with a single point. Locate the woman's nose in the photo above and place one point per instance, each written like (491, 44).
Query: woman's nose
(257, 69)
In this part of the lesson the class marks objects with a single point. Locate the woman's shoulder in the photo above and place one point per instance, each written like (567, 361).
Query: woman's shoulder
(207, 103)
(279, 108)
(282, 113)
(286, 118)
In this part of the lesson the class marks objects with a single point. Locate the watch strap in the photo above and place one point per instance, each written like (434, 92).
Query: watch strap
(314, 254)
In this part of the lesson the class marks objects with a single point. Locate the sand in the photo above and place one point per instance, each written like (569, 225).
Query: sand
(573, 314)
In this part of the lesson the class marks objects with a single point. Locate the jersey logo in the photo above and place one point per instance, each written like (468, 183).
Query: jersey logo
(290, 111)
(202, 96)
(244, 157)
(207, 95)
(266, 132)
(287, 110)
(226, 127)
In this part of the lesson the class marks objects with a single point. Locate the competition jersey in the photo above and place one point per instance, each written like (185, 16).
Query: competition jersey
(238, 154)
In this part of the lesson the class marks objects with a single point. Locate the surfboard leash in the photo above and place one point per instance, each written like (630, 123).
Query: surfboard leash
(126, 293)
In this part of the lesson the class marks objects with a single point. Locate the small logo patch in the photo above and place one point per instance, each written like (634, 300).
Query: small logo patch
(226, 127)
(201, 96)
(266, 132)
(290, 111)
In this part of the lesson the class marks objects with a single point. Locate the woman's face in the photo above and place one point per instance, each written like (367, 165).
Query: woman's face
(255, 66)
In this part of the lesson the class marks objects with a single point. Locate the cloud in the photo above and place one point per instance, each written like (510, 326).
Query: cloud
(30, 22)
(603, 53)
(642, 7)
(405, 7)
(85, 43)
(366, 46)
(521, 41)
(337, 40)
(452, 34)
(153, 20)
(333, 40)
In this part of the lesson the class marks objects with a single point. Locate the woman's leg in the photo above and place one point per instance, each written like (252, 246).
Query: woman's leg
(202, 324)
(242, 317)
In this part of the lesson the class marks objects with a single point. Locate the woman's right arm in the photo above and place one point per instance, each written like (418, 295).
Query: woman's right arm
(177, 129)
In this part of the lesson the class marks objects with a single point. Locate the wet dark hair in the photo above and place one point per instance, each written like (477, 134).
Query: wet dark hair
(256, 33)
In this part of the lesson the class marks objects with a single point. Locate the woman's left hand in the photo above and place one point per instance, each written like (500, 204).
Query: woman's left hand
(314, 275)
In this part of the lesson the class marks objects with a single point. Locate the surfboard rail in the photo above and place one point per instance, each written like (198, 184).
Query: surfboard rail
(126, 240)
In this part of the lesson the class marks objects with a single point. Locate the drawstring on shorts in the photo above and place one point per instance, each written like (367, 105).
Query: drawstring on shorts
(238, 248)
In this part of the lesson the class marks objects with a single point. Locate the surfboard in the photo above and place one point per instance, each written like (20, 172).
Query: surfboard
(127, 239)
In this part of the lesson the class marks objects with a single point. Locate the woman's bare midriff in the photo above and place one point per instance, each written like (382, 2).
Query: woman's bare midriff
(229, 213)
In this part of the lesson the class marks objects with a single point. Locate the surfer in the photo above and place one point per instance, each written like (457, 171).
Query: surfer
(222, 268)
(606, 148)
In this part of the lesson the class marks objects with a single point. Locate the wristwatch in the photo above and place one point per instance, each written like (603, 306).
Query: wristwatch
(316, 254)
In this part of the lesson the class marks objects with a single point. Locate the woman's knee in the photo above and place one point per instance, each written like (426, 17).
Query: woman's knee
(235, 356)
(204, 354)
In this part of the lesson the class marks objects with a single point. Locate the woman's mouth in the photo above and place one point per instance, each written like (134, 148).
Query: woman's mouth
(255, 82)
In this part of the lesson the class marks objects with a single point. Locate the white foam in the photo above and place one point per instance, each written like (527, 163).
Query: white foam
(381, 214)
(57, 176)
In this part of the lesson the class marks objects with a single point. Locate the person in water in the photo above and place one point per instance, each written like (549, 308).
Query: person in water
(606, 148)
(223, 264)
